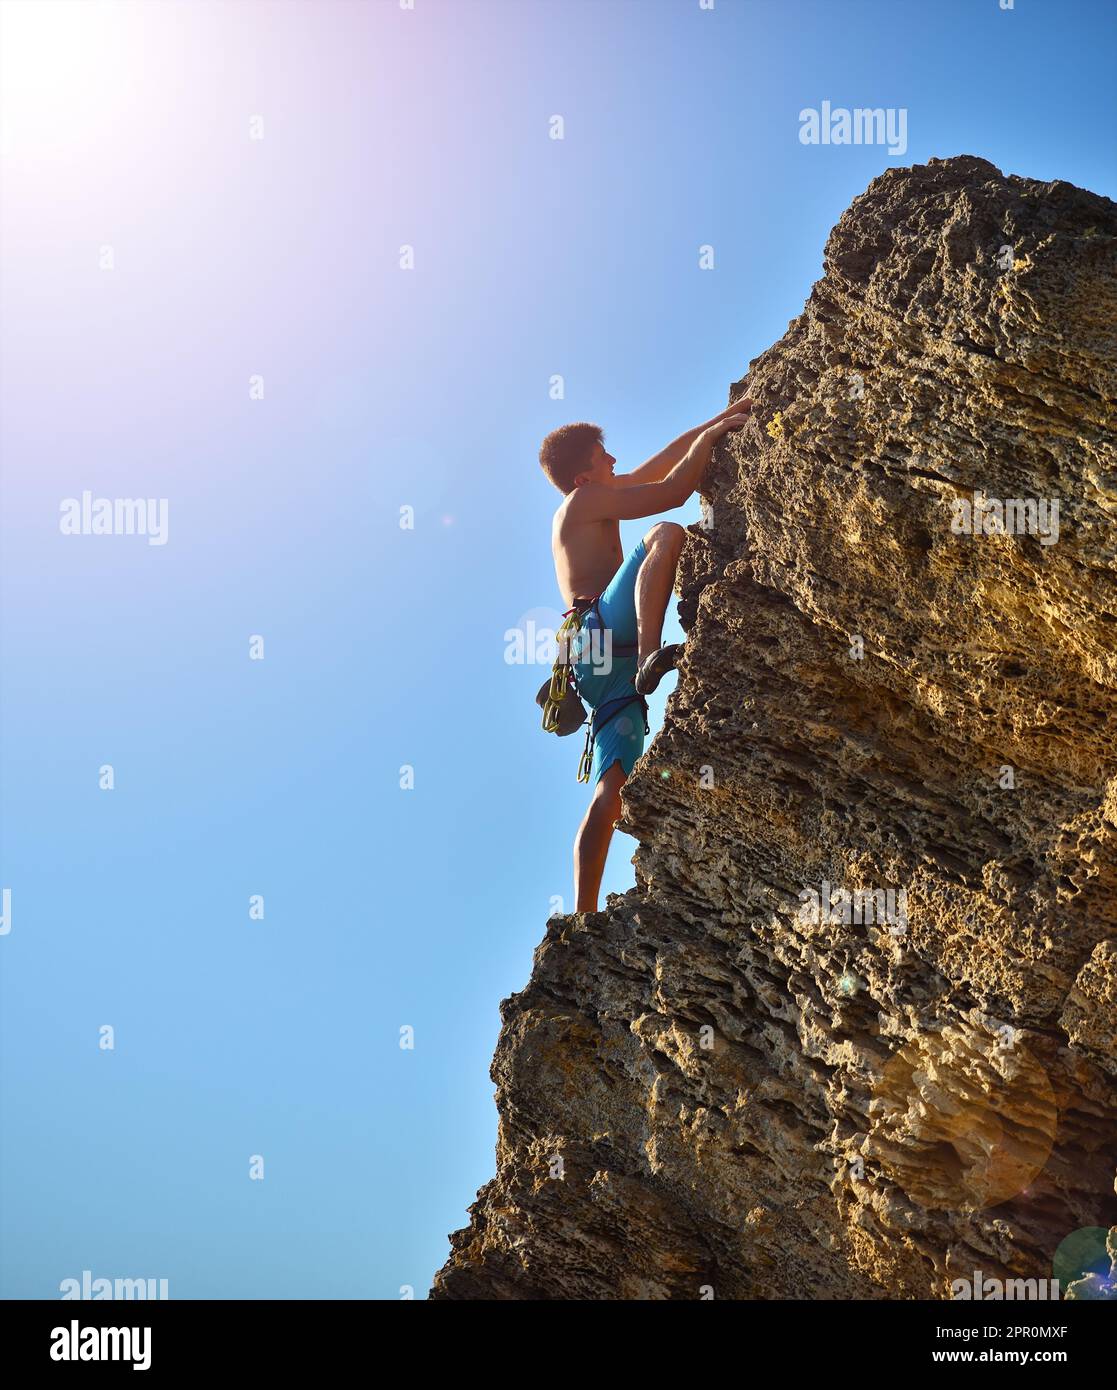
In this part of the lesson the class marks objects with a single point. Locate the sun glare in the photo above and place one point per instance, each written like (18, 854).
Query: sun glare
(62, 62)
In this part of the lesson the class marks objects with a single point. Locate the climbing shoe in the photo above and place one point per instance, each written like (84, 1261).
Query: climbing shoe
(655, 667)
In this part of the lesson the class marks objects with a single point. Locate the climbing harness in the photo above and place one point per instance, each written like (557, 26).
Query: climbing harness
(563, 709)
(597, 723)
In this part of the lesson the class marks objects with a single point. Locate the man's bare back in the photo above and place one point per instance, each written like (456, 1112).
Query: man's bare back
(587, 553)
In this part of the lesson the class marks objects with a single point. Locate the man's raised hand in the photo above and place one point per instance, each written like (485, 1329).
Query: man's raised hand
(722, 424)
(737, 407)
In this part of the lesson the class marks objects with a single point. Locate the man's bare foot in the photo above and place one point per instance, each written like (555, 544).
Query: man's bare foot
(655, 667)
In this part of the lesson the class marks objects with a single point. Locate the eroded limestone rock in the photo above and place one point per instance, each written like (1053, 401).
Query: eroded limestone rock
(708, 1087)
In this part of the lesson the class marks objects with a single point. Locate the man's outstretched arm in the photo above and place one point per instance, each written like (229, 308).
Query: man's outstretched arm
(659, 465)
(595, 501)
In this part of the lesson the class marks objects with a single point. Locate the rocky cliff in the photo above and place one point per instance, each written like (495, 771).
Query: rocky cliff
(854, 1033)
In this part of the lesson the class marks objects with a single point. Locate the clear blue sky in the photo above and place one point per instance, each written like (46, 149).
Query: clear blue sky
(128, 127)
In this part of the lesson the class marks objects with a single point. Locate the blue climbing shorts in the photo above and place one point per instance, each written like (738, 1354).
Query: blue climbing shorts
(602, 677)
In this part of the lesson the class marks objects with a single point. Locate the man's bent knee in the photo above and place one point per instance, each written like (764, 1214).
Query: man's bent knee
(668, 534)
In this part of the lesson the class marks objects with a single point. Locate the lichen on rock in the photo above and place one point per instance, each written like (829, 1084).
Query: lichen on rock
(754, 1076)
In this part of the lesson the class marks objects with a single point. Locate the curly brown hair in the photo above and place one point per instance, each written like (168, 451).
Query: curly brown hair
(566, 452)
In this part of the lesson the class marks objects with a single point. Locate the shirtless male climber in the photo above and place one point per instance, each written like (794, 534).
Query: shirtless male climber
(632, 593)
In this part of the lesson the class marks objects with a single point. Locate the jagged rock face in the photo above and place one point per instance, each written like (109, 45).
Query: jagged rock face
(713, 1087)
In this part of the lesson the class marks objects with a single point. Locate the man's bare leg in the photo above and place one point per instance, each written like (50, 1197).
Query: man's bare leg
(655, 584)
(591, 844)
